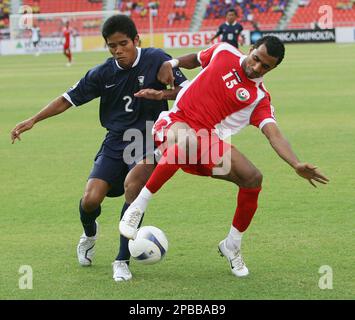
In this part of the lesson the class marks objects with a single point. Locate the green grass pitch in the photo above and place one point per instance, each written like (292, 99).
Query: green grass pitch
(296, 230)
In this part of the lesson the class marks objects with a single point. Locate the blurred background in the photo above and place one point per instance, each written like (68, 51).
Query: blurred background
(172, 23)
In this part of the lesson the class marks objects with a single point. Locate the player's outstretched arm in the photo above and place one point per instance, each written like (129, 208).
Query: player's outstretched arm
(165, 74)
(152, 94)
(55, 107)
(284, 150)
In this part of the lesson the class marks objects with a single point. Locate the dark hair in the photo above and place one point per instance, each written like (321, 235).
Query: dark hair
(232, 10)
(119, 23)
(274, 47)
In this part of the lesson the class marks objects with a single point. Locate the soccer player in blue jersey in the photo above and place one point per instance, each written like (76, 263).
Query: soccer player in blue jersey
(117, 81)
(230, 30)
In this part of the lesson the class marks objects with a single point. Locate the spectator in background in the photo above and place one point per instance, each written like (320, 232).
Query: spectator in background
(143, 12)
(179, 16)
(153, 6)
(315, 26)
(303, 3)
(344, 5)
(280, 7)
(179, 4)
(171, 18)
(35, 7)
(255, 26)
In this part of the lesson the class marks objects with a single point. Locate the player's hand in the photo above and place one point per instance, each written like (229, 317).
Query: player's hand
(165, 74)
(150, 94)
(310, 172)
(20, 128)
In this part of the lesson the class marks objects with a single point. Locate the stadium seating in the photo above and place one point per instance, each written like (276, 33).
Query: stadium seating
(53, 27)
(49, 6)
(4, 13)
(180, 17)
(305, 16)
(262, 14)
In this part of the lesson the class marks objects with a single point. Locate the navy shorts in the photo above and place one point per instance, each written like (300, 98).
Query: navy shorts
(113, 171)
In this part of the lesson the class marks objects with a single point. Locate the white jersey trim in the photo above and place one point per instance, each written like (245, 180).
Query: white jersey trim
(265, 121)
(221, 47)
(135, 61)
(238, 120)
(185, 83)
(67, 97)
(227, 47)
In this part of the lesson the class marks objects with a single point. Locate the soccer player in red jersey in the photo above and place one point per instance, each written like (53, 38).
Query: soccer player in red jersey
(226, 96)
(67, 32)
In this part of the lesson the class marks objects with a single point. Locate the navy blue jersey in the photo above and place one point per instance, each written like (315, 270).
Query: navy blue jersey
(119, 109)
(230, 33)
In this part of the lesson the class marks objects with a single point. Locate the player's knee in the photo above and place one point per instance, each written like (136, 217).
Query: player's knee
(254, 180)
(90, 201)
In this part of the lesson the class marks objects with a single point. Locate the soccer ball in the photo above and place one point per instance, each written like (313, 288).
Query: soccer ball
(149, 246)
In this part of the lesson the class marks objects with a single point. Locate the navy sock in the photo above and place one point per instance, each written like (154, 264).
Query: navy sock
(88, 220)
(124, 253)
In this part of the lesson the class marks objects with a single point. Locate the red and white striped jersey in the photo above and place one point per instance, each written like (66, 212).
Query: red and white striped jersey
(221, 97)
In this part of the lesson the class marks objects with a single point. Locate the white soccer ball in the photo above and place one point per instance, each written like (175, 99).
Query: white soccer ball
(149, 246)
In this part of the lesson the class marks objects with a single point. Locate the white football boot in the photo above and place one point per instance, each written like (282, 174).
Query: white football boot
(86, 248)
(235, 259)
(121, 271)
(129, 223)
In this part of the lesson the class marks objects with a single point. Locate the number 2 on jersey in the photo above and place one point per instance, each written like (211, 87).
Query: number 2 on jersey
(128, 100)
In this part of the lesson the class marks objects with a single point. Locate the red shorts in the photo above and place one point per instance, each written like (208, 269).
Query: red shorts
(210, 148)
(66, 46)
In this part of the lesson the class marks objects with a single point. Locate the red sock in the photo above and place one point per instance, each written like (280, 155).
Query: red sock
(166, 168)
(246, 206)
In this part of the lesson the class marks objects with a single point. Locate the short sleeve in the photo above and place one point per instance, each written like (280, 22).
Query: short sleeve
(205, 56)
(263, 114)
(180, 78)
(220, 30)
(87, 89)
(178, 74)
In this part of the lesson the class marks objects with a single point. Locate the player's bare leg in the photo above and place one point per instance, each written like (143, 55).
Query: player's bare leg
(249, 179)
(90, 209)
(136, 179)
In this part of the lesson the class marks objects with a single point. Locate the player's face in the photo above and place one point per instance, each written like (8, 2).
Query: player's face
(258, 62)
(231, 17)
(123, 49)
